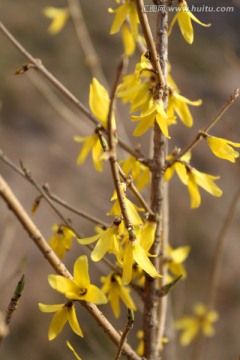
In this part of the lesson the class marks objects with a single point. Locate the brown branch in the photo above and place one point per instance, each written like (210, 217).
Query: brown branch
(112, 151)
(154, 58)
(129, 326)
(15, 300)
(155, 308)
(36, 236)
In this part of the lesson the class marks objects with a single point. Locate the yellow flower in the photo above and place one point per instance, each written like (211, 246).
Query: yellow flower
(61, 240)
(222, 148)
(179, 167)
(179, 104)
(63, 313)
(184, 18)
(136, 251)
(59, 17)
(175, 258)
(90, 143)
(202, 321)
(121, 13)
(114, 288)
(139, 172)
(73, 351)
(128, 41)
(107, 241)
(132, 209)
(135, 91)
(99, 101)
(206, 181)
(156, 112)
(80, 287)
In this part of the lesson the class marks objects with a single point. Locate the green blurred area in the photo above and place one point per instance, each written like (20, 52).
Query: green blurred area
(32, 131)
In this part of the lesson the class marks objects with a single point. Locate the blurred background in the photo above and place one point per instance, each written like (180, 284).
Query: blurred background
(31, 130)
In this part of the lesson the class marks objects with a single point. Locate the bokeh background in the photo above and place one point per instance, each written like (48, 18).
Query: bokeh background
(31, 130)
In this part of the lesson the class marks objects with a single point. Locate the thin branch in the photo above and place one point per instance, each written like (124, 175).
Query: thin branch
(212, 123)
(155, 308)
(36, 236)
(129, 326)
(150, 42)
(66, 205)
(112, 151)
(38, 65)
(129, 181)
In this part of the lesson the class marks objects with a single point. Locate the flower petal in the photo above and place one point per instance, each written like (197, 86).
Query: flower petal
(58, 321)
(73, 322)
(80, 272)
(62, 284)
(50, 308)
(95, 295)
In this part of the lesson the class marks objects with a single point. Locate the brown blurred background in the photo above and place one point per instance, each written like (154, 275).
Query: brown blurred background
(32, 131)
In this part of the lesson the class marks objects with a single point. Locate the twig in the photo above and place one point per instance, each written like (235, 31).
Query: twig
(38, 65)
(129, 326)
(150, 43)
(66, 205)
(212, 123)
(112, 152)
(15, 300)
(14, 205)
(132, 187)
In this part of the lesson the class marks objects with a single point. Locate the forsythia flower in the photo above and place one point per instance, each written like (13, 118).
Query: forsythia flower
(191, 326)
(107, 241)
(63, 313)
(99, 102)
(78, 288)
(131, 208)
(73, 351)
(179, 104)
(139, 172)
(58, 16)
(90, 143)
(61, 240)
(121, 13)
(114, 288)
(136, 251)
(222, 148)
(206, 181)
(175, 258)
(156, 112)
(179, 167)
(128, 41)
(184, 18)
